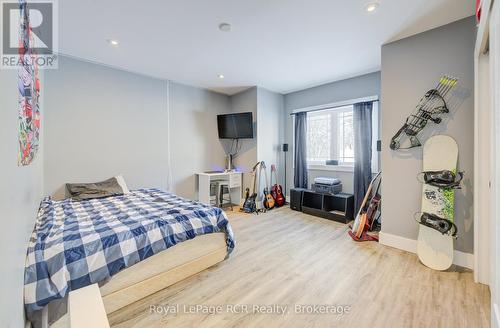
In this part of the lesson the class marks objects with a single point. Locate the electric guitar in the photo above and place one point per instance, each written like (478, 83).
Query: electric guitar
(276, 190)
(247, 194)
(268, 198)
(250, 206)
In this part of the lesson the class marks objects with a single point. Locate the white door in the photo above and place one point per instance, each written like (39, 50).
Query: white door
(495, 214)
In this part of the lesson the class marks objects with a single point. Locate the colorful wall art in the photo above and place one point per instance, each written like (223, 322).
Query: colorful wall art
(29, 92)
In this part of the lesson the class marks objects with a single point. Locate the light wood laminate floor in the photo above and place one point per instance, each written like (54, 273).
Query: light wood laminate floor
(287, 258)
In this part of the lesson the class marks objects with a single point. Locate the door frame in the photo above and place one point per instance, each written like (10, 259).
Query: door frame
(483, 140)
(494, 252)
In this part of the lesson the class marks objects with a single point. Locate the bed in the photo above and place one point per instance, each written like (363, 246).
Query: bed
(132, 245)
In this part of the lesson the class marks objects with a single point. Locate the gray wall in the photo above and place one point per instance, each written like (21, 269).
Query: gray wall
(357, 87)
(270, 129)
(246, 101)
(194, 138)
(20, 195)
(267, 109)
(101, 122)
(410, 67)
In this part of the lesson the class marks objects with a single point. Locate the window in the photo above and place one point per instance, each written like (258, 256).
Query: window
(330, 136)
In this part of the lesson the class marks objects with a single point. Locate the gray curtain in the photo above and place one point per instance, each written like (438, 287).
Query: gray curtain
(362, 126)
(300, 160)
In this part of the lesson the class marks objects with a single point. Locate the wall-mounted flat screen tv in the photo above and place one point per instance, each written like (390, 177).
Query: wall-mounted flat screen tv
(235, 126)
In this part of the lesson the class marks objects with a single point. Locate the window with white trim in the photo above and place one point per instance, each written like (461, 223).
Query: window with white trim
(330, 136)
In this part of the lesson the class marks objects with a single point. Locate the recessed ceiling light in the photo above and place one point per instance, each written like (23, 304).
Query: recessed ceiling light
(113, 42)
(371, 6)
(220, 76)
(225, 27)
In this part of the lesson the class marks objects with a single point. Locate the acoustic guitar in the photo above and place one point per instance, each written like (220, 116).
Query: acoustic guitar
(373, 210)
(360, 222)
(368, 218)
(268, 198)
(276, 190)
(361, 226)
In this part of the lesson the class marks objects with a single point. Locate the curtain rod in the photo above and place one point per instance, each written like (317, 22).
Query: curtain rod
(334, 105)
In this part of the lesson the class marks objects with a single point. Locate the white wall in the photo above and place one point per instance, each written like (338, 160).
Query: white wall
(357, 87)
(410, 67)
(20, 195)
(101, 122)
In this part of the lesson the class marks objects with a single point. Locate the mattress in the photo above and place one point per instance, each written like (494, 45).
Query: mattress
(77, 243)
(166, 260)
(162, 270)
(128, 281)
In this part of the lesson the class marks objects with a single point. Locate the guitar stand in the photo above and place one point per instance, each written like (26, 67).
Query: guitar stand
(364, 237)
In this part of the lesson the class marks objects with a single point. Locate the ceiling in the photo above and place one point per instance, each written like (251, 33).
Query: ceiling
(281, 45)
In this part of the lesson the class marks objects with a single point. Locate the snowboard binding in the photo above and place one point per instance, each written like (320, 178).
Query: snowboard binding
(429, 108)
(444, 226)
(441, 179)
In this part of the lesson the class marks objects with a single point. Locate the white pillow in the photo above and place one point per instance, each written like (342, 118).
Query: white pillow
(121, 182)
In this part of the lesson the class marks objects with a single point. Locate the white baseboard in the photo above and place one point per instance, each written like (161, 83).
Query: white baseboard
(495, 317)
(462, 259)
(398, 242)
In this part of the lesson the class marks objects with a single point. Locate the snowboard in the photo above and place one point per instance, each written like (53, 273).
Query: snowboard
(434, 249)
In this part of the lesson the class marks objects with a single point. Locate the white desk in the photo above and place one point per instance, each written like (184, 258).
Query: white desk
(235, 185)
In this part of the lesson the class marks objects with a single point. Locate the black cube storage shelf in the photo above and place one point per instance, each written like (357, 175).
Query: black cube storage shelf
(338, 207)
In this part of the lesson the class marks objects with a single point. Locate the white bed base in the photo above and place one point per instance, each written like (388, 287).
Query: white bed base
(181, 261)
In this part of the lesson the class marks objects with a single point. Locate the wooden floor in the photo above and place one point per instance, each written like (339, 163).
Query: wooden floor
(286, 258)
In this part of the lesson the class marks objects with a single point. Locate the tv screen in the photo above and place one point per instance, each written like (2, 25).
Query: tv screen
(235, 126)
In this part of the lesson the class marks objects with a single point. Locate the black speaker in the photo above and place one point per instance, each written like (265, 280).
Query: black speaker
(296, 198)
(285, 149)
(379, 145)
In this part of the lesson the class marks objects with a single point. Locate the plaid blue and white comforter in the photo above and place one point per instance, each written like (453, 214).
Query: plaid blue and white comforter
(79, 243)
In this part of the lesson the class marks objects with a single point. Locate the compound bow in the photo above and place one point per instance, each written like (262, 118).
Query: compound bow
(429, 108)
